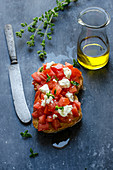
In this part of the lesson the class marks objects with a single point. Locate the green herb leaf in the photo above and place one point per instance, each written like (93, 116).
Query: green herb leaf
(26, 134)
(56, 78)
(74, 83)
(33, 155)
(57, 107)
(48, 78)
(55, 91)
(41, 69)
(75, 63)
(49, 94)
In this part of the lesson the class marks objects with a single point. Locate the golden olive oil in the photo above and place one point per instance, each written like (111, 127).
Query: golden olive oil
(92, 53)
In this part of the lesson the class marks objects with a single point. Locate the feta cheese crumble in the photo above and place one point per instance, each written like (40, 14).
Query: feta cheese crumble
(49, 100)
(44, 88)
(43, 103)
(46, 100)
(64, 112)
(64, 83)
(70, 96)
(50, 64)
(54, 116)
(67, 72)
(54, 80)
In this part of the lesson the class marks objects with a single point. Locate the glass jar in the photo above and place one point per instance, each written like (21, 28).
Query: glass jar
(93, 45)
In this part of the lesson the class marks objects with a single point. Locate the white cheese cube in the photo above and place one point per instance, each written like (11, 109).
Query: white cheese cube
(67, 109)
(64, 83)
(70, 96)
(54, 116)
(50, 64)
(67, 72)
(44, 88)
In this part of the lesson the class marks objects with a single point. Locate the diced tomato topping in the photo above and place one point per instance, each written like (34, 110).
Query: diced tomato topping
(75, 111)
(57, 67)
(70, 66)
(44, 66)
(70, 118)
(36, 77)
(73, 89)
(56, 124)
(63, 101)
(49, 118)
(45, 114)
(35, 114)
(51, 84)
(49, 72)
(46, 109)
(58, 90)
(78, 104)
(75, 73)
(42, 119)
(38, 105)
(51, 107)
(42, 127)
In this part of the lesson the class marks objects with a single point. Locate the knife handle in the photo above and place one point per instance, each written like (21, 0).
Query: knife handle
(10, 43)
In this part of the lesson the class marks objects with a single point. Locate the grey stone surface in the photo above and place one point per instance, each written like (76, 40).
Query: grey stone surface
(91, 144)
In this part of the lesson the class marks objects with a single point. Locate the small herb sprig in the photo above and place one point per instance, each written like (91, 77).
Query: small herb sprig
(33, 155)
(48, 78)
(74, 83)
(49, 94)
(75, 63)
(26, 134)
(57, 107)
(45, 21)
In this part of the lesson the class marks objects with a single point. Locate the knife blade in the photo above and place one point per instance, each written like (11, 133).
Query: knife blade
(15, 79)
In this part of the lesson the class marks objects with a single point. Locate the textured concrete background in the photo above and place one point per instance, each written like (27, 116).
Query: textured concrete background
(91, 144)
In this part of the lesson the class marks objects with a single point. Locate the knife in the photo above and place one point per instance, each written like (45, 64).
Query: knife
(15, 79)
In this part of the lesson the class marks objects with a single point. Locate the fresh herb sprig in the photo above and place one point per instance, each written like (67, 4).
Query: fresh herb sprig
(44, 22)
(75, 63)
(33, 155)
(49, 94)
(74, 83)
(57, 107)
(48, 78)
(26, 134)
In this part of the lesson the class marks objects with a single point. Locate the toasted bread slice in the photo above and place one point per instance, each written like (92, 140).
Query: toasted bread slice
(63, 125)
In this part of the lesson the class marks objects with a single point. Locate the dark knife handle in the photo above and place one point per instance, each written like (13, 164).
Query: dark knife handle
(11, 43)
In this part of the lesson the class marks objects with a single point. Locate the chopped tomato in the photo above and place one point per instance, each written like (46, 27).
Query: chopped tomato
(36, 77)
(73, 89)
(78, 104)
(44, 66)
(70, 66)
(42, 76)
(60, 74)
(56, 124)
(70, 118)
(51, 84)
(38, 105)
(75, 73)
(35, 114)
(49, 118)
(37, 94)
(57, 67)
(49, 72)
(42, 119)
(63, 101)
(42, 95)
(75, 111)
(58, 90)
(42, 127)
(46, 109)
(51, 106)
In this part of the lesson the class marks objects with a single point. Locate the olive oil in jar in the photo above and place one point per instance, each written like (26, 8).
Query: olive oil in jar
(92, 53)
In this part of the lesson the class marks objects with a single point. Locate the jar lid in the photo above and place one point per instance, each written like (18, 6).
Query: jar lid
(94, 17)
